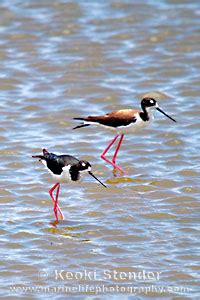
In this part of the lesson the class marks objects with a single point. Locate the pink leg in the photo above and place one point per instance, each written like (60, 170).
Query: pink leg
(56, 203)
(117, 149)
(111, 143)
(51, 194)
(115, 154)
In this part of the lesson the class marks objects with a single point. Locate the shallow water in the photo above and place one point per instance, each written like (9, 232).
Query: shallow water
(64, 59)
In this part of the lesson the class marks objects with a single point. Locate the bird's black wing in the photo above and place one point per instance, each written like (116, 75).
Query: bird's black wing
(123, 117)
(67, 160)
(54, 163)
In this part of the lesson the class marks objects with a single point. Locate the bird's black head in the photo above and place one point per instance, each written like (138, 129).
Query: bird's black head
(84, 165)
(148, 103)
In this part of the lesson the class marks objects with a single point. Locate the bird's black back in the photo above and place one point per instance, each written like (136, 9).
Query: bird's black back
(56, 162)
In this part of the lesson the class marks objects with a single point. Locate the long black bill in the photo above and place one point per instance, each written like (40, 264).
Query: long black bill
(96, 178)
(160, 110)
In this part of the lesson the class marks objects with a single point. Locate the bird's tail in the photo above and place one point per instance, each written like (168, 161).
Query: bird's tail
(45, 152)
(82, 124)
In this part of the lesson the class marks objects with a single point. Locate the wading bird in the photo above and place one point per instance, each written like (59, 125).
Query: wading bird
(63, 168)
(122, 122)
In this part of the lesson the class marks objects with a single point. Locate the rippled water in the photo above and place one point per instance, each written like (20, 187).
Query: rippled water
(64, 59)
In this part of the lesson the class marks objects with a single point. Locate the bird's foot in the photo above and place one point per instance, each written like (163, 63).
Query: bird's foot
(116, 169)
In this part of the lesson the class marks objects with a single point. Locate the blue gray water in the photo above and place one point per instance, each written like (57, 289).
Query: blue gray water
(139, 238)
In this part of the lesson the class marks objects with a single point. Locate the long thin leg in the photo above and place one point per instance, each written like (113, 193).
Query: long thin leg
(106, 150)
(51, 194)
(56, 203)
(117, 149)
(111, 143)
(115, 156)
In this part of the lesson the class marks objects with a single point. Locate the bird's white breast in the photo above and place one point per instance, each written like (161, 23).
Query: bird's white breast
(138, 125)
(63, 177)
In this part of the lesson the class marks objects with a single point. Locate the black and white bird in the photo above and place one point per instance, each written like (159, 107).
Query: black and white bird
(64, 169)
(122, 122)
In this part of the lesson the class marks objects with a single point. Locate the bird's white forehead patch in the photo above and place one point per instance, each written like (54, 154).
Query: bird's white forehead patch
(83, 164)
(152, 101)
